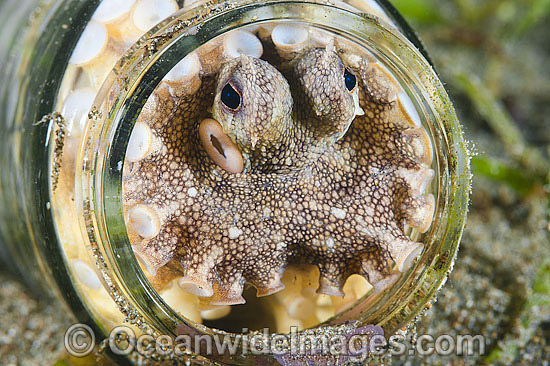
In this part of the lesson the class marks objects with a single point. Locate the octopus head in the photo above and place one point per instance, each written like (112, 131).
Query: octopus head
(276, 125)
(253, 103)
(327, 92)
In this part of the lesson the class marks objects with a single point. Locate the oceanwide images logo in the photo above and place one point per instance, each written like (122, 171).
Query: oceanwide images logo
(316, 347)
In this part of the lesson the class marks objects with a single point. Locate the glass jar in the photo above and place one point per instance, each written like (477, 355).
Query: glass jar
(76, 80)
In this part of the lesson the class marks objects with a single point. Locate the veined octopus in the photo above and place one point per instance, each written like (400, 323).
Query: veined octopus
(302, 157)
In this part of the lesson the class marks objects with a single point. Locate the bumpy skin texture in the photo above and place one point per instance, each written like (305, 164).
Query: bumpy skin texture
(320, 186)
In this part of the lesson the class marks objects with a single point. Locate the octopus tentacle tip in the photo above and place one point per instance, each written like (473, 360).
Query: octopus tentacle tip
(185, 70)
(328, 289)
(427, 179)
(195, 287)
(216, 312)
(242, 42)
(408, 260)
(144, 261)
(289, 39)
(409, 106)
(92, 42)
(228, 300)
(140, 142)
(147, 13)
(219, 147)
(260, 292)
(385, 283)
(427, 213)
(110, 11)
(144, 221)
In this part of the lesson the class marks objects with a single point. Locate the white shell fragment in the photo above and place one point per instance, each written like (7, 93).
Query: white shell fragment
(140, 142)
(86, 274)
(240, 42)
(110, 11)
(409, 107)
(144, 221)
(289, 38)
(148, 13)
(91, 44)
(76, 107)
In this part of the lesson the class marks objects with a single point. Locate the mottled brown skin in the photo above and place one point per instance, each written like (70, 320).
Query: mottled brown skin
(320, 186)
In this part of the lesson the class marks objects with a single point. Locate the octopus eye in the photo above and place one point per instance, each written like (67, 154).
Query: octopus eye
(350, 79)
(230, 97)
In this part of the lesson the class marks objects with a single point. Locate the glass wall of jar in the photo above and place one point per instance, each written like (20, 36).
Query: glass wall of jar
(85, 85)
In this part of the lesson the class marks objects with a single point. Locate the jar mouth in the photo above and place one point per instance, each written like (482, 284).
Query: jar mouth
(134, 79)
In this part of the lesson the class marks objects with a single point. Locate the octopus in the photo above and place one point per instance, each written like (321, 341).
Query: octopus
(265, 163)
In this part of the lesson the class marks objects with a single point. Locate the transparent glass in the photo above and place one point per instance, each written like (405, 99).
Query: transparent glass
(86, 220)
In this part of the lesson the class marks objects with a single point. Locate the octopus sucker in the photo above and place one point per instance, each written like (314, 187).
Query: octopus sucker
(289, 39)
(144, 221)
(242, 42)
(140, 142)
(196, 287)
(275, 157)
(184, 77)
